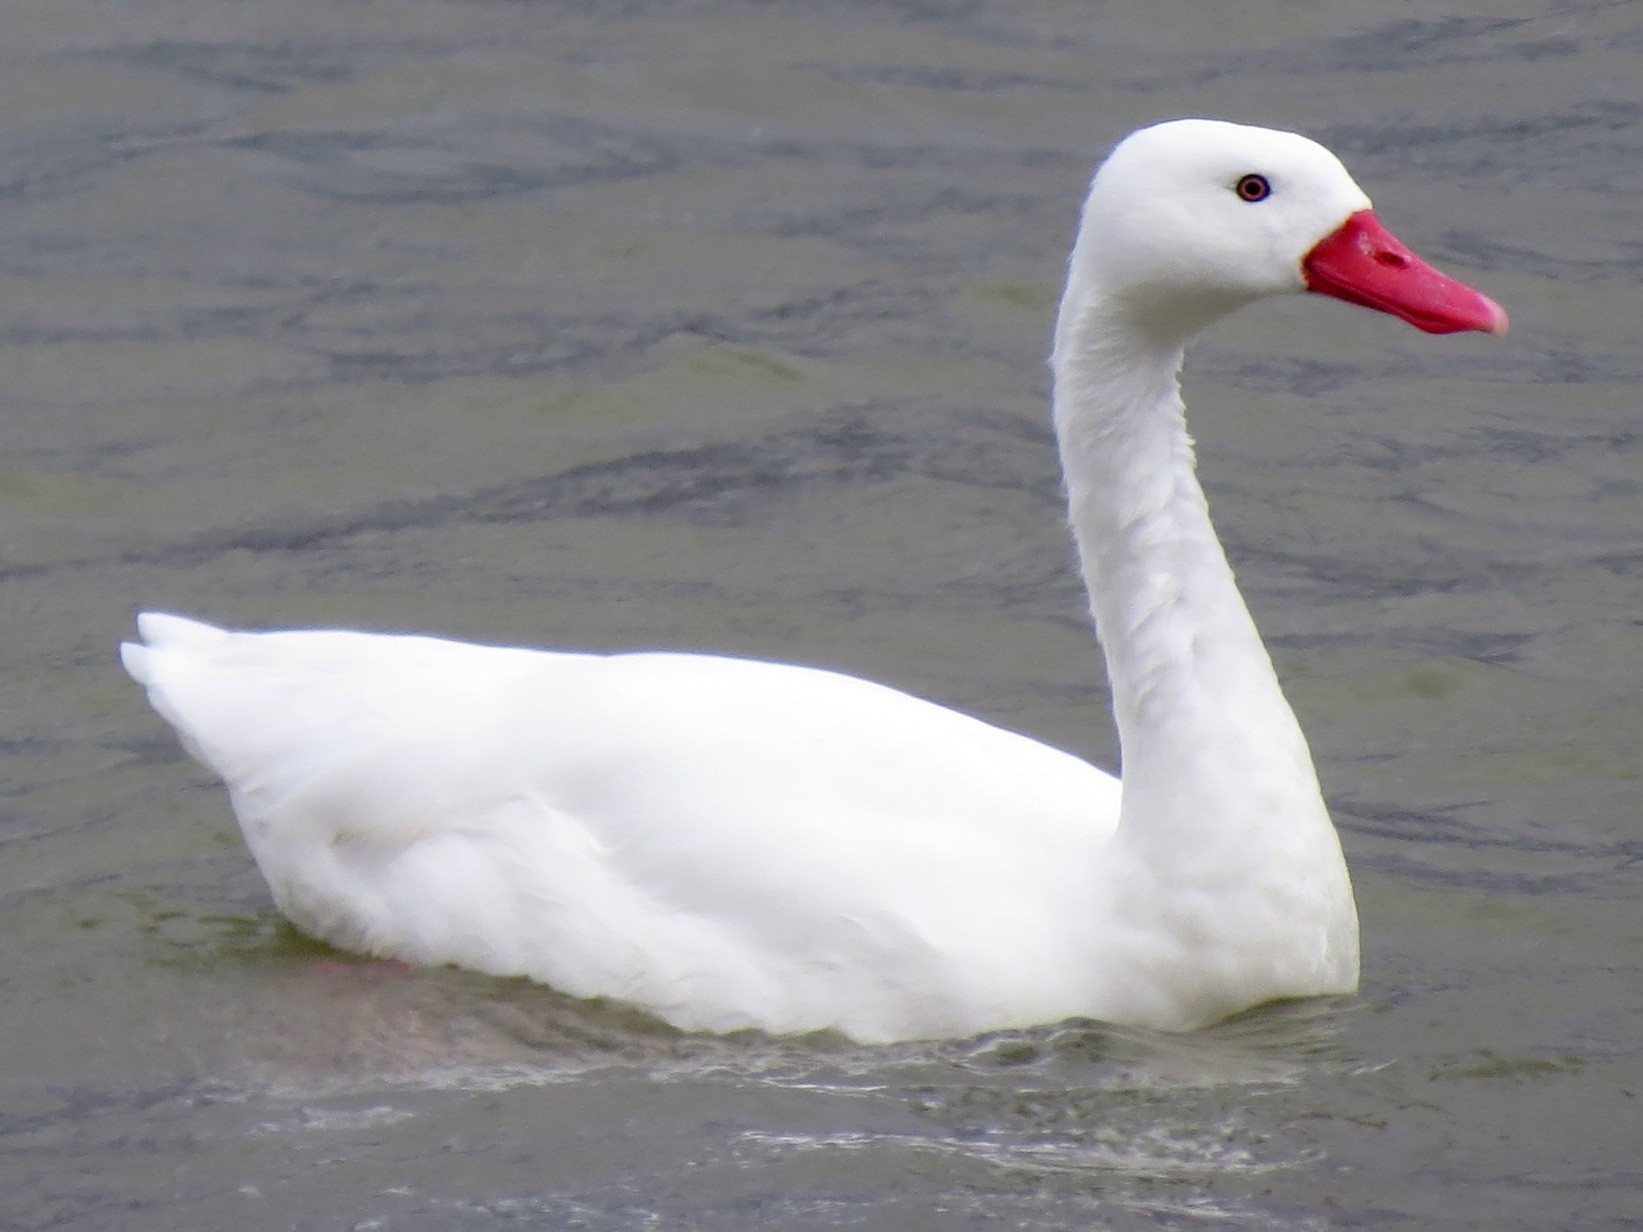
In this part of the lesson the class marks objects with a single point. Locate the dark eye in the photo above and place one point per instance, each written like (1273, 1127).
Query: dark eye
(1253, 188)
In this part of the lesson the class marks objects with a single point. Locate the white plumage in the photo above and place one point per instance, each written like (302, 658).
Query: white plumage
(735, 844)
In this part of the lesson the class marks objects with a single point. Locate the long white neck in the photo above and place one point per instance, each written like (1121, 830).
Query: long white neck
(1225, 860)
(1213, 758)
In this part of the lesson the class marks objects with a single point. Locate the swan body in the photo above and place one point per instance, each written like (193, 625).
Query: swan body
(736, 844)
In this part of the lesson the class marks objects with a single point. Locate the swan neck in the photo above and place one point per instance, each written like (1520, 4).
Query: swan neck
(1199, 711)
(1224, 844)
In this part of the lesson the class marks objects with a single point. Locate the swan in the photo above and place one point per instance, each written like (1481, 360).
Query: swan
(732, 844)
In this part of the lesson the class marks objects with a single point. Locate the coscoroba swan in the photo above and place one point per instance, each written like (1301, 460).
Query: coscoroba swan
(735, 844)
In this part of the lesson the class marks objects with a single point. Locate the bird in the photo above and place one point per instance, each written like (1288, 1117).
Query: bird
(733, 845)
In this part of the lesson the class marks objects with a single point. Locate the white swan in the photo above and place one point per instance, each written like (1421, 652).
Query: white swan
(735, 844)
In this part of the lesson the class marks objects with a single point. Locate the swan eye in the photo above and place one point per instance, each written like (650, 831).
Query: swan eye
(1253, 188)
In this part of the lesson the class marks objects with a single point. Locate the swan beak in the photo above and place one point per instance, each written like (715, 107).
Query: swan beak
(1364, 263)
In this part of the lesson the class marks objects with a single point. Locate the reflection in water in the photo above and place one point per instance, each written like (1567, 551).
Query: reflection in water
(1150, 1123)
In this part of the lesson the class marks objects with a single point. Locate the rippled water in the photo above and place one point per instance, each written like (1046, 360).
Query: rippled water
(721, 325)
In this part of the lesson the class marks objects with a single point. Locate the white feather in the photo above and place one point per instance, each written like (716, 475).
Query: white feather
(737, 844)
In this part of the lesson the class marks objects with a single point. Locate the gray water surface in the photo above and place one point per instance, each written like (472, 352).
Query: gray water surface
(721, 325)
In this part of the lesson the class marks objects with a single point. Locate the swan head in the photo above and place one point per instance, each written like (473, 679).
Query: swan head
(1187, 220)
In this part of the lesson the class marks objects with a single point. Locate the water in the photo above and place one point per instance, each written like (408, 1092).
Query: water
(721, 326)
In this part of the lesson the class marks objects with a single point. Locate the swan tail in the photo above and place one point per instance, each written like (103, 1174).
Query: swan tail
(162, 632)
(165, 663)
(279, 716)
